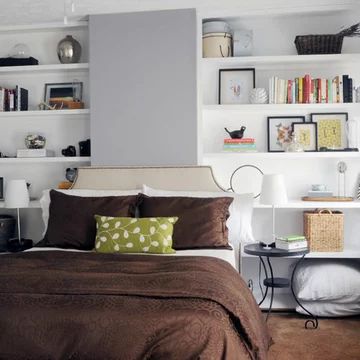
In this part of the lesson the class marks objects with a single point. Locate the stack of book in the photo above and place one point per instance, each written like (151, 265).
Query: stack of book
(13, 99)
(291, 242)
(306, 90)
(240, 145)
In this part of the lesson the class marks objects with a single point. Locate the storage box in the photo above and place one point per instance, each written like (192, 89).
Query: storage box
(217, 45)
(34, 153)
(324, 230)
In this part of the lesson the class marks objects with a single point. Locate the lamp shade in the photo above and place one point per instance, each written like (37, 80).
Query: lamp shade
(16, 194)
(273, 190)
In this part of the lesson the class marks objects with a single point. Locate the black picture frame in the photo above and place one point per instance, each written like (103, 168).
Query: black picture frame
(63, 90)
(307, 124)
(1, 188)
(314, 118)
(276, 146)
(222, 100)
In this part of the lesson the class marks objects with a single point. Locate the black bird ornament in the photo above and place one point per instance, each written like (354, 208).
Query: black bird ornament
(236, 134)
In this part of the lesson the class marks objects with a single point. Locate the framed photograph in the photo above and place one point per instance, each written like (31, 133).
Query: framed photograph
(63, 92)
(1, 188)
(279, 131)
(331, 130)
(235, 85)
(306, 135)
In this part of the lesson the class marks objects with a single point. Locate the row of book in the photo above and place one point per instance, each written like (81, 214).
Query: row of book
(306, 90)
(291, 242)
(14, 99)
(240, 145)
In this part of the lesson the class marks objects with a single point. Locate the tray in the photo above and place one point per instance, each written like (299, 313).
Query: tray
(327, 199)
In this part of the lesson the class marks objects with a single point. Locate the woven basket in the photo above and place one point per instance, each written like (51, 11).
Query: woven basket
(324, 230)
(318, 44)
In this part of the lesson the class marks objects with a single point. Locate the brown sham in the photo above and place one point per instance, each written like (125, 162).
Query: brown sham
(72, 223)
(202, 221)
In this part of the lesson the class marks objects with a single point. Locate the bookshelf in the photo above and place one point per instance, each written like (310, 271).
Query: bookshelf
(274, 54)
(60, 127)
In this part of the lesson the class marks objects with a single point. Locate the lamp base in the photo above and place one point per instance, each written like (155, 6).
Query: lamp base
(14, 245)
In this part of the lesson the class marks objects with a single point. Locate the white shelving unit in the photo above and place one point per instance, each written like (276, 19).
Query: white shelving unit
(274, 54)
(61, 128)
(34, 204)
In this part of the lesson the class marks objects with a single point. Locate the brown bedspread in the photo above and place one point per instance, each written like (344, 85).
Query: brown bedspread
(67, 305)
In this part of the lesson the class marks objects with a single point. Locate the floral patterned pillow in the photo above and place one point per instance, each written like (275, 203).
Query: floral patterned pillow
(133, 235)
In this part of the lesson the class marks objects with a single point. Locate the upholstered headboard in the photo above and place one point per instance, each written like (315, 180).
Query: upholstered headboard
(192, 178)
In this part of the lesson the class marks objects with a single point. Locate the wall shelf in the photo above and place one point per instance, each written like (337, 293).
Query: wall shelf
(33, 204)
(36, 69)
(298, 204)
(281, 107)
(285, 155)
(44, 113)
(75, 159)
(45, 27)
(264, 62)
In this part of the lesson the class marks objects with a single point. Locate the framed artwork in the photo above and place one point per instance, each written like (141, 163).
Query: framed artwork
(306, 135)
(63, 92)
(235, 85)
(331, 130)
(279, 131)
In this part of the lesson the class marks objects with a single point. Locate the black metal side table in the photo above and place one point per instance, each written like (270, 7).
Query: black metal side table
(278, 282)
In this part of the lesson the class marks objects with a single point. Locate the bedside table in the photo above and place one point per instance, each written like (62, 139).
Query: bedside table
(278, 282)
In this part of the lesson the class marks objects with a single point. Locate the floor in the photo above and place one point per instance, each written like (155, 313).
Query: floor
(335, 339)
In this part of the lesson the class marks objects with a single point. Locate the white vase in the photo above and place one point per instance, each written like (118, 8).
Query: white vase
(258, 96)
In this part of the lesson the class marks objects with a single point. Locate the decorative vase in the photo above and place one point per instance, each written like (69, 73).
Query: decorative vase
(69, 50)
(294, 145)
(258, 96)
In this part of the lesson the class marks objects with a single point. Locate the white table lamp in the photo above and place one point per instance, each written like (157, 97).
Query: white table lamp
(273, 192)
(16, 197)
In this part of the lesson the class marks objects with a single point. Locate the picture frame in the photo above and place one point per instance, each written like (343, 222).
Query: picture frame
(331, 130)
(63, 93)
(235, 85)
(279, 129)
(1, 188)
(306, 135)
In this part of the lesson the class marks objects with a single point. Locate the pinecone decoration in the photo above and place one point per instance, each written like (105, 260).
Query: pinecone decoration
(258, 96)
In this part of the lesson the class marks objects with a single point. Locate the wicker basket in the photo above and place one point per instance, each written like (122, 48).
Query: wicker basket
(318, 44)
(324, 230)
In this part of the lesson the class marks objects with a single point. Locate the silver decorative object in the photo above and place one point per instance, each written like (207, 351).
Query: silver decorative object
(69, 50)
(34, 141)
(258, 96)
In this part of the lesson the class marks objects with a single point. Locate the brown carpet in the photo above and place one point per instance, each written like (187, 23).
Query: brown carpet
(335, 339)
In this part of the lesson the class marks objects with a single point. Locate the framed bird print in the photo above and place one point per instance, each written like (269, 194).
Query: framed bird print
(280, 131)
(331, 130)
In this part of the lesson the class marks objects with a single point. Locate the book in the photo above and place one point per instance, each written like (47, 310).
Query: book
(239, 146)
(294, 245)
(292, 238)
(33, 153)
(239, 141)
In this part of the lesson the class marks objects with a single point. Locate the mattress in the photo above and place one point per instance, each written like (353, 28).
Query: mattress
(227, 255)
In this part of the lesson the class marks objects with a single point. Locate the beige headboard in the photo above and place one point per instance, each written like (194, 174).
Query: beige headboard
(195, 178)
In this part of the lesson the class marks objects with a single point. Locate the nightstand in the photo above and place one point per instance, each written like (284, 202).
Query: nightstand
(278, 282)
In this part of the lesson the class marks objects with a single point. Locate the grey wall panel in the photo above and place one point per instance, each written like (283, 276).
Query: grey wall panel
(143, 88)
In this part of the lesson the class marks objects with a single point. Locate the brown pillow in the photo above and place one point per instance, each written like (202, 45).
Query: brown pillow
(202, 221)
(72, 223)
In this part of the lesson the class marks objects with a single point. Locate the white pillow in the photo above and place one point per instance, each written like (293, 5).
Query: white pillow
(328, 280)
(329, 308)
(241, 209)
(45, 198)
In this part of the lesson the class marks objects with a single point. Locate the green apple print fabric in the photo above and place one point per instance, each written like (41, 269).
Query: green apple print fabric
(134, 235)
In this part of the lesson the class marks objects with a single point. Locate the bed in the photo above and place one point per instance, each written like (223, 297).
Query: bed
(75, 304)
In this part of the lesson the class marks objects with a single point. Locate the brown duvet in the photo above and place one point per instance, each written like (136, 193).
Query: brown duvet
(67, 305)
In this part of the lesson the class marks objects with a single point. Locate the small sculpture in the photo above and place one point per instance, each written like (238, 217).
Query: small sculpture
(35, 141)
(236, 134)
(69, 151)
(258, 96)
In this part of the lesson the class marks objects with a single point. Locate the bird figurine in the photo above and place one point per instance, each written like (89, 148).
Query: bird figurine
(236, 134)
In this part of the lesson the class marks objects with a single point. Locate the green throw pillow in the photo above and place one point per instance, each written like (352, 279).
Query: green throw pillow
(131, 235)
